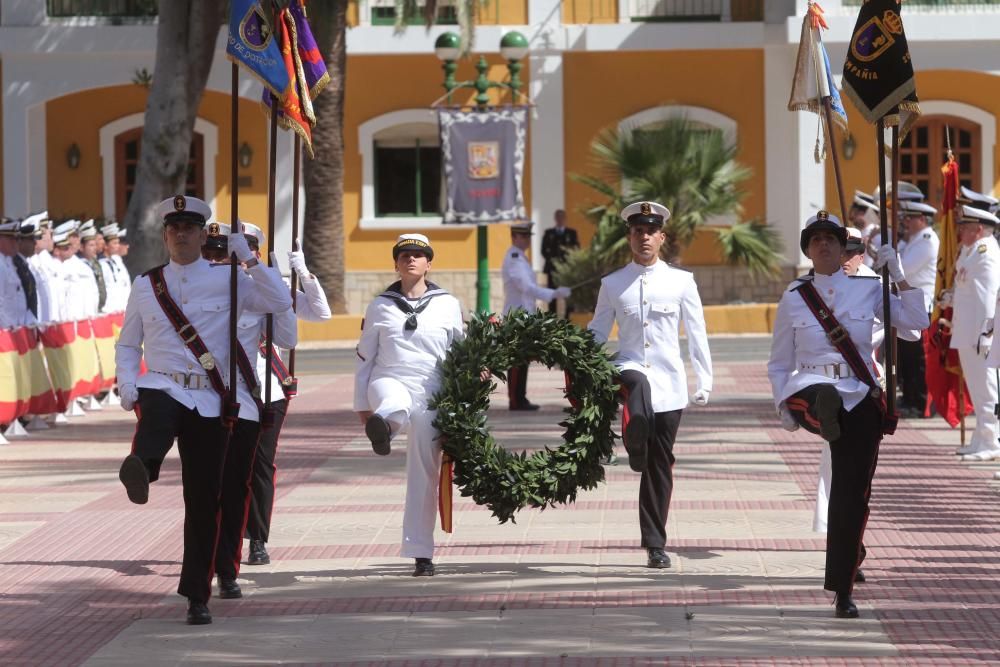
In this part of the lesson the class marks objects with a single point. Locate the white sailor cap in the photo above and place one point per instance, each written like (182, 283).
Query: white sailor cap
(9, 227)
(855, 241)
(218, 236)
(41, 219)
(110, 231)
(88, 230)
(122, 233)
(181, 208)
(912, 207)
(28, 230)
(526, 227)
(252, 231)
(864, 200)
(60, 239)
(972, 214)
(907, 192)
(414, 242)
(822, 220)
(645, 213)
(977, 199)
(69, 227)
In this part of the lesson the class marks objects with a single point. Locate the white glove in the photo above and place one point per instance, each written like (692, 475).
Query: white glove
(887, 257)
(297, 261)
(128, 395)
(238, 244)
(563, 292)
(700, 397)
(787, 420)
(945, 300)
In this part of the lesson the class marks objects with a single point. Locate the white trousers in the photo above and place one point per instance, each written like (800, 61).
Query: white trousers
(982, 383)
(823, 489)
(407, 410)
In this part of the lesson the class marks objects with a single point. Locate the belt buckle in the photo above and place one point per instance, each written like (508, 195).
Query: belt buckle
(187, 380)
(836, 371)
(836, 335)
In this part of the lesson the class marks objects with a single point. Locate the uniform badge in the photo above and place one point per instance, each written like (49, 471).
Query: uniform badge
(822, 215)
(288, 381)
(645, 208)
(213, 229)
(981, 250)
(160, 289)
(180, 203)
(207, 361)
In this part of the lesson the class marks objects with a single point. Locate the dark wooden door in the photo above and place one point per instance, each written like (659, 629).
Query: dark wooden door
(127, 149)
(925, 150)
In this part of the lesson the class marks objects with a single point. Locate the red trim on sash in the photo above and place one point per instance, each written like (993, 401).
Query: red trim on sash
(289, 385)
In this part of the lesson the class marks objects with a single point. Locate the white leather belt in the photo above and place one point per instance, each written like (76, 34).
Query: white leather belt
(834, 371)
(188, 380)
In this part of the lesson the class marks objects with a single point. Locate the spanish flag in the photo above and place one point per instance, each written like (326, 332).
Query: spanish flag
(72, 361)
(24, 384)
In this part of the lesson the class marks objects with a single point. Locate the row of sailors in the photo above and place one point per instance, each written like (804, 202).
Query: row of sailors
(73, 271)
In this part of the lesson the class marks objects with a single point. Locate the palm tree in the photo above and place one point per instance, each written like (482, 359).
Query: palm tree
(690, 170)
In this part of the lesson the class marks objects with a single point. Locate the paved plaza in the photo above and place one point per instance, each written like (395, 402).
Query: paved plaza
(88, 578)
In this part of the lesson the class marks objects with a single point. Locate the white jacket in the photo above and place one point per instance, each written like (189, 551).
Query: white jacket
(977, 280)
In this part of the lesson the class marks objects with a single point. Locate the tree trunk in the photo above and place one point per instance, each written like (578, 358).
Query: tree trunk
(185, 45)
(323, 177)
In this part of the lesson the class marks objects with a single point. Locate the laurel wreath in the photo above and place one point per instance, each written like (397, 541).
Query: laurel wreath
(508, 481)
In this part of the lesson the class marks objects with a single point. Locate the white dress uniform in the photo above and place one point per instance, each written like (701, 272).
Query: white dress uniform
(116, 282)
(976, 286)
(13, 304)
(398, 371)
(204, 299)
(520, 284)
(919, 261)
(80, 296)
(48, 277)
(648, 303)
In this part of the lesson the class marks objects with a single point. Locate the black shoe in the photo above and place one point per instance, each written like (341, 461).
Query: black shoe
(657, 558)
(135, 477)
(828, 404)
(424, 568)
(635, 436)
(524, 405)
(198, 613)
(229, 589)
(378, 431)
(258, 553)
(845, 607)
(859, 576)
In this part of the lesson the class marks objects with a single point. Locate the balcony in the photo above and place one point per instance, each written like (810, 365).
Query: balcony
(676, 11)
(112, 10)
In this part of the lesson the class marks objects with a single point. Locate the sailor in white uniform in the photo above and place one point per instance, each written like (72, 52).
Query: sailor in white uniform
(406, 333)
(47, 269)
(521, 290)
(116, 278)
(974, 300)
(183, 394)
(649, 299)
(815, 387)
(15, 308)
(80, 296)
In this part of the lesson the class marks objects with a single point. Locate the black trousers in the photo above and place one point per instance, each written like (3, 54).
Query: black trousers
(235, 503)
(517, 386)
(657, 483)
(202, 444)
(912, 368)
(262, 480)
(854, 457)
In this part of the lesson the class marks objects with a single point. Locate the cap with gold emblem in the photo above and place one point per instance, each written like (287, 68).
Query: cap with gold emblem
(217, 243)
(255, 235)
(971, 214)
(88, 230)
(977, 199)
(183, 209)
(823, 220)
(527, 227)
(412, 242)
(645, 213)
(9, 227)
(29, 230)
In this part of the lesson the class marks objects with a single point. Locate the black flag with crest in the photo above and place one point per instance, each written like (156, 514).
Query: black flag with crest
(878, 72)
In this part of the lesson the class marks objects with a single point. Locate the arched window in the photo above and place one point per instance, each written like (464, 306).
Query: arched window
(401, 170)
(127, 150)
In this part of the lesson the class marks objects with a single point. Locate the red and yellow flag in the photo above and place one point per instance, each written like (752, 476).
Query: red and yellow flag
(24, 384)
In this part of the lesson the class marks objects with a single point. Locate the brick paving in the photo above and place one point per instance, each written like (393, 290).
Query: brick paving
(88, 578)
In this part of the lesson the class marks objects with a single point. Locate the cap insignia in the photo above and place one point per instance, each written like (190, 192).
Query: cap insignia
(822, 215)
(180, 203)
(213, 229)
(645, 208)
(981, 249)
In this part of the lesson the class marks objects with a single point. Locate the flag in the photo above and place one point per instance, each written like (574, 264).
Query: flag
(24, 383)
(813, 79)
(72, 361)
(313, 76)
(878, 72)
(943, 371)
(251, 44)
(105, 338)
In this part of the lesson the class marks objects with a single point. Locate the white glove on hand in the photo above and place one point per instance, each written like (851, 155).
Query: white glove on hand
(128, 395)
(563, 292)
(787, 420)
(297, 262)
(887, 257)
(945, 300)
(700, 397)
(238, 244)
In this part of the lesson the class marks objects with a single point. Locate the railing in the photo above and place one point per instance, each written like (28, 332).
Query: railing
(933, 6)
(114, 9)
(606, 11)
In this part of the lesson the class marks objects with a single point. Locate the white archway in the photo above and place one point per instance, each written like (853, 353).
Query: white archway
(988, 127)
(700, 115)
(366, 147)
(210, 145)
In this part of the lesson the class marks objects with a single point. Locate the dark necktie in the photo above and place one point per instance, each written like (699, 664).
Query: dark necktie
(102, 291)
(27, 283)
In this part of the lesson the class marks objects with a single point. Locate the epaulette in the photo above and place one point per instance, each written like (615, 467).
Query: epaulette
(805, 278)
(153, 269)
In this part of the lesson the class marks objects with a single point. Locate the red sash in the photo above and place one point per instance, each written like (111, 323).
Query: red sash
(193, 342)
(289, 384)
(841, 339)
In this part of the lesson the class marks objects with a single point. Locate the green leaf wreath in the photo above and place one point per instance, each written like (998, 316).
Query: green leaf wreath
(505, 481)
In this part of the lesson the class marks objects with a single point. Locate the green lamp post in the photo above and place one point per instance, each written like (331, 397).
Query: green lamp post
(513, 48)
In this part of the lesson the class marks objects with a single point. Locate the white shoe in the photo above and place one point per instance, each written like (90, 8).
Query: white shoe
(996, 475)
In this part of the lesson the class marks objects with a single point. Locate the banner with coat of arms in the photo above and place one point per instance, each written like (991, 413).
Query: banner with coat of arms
(482, 154)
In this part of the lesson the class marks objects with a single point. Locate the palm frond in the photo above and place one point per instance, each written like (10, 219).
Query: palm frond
(753, 245)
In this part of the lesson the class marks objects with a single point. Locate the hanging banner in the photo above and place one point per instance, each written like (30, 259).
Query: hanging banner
(482, 154)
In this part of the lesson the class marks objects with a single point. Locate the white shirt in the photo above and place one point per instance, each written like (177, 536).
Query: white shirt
(919, 261)
(117, 284)
(798, 338)
(520, 284)
(649, 303)
(80, 296)
(48, 276)
(201, 290)
(977, 280)
(413, 357)
(13, 303)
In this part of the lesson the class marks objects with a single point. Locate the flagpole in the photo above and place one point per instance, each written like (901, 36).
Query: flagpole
(296, 158)
(271, 169)
(894, 164)
(828, 111)
(234, 221)
(887, 349)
